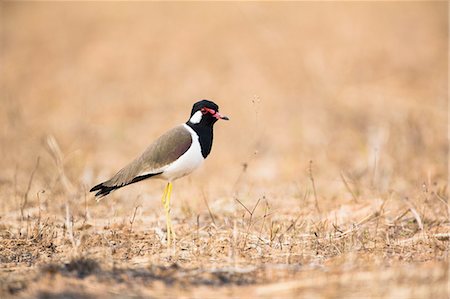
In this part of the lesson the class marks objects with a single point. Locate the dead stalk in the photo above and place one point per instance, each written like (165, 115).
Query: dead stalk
(69, 225)
(85, 206)
(134, 216)
(15, 187)
(30, 181)
(39, 206)
(355, 198)
(375, 167)
(198, 230)
(239, 178)
(414, 212)
(380, 213)
(207, 205)
(266, 209)
(291, 226)
(56, 153)
(311, 177)
(249, 223)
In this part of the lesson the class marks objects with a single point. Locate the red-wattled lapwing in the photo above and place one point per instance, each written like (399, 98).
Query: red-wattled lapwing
(173, 155)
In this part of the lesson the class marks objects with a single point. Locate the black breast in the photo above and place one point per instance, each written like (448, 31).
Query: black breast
(205, 137)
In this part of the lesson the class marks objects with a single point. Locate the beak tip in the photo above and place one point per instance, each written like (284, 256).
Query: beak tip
(225, 118)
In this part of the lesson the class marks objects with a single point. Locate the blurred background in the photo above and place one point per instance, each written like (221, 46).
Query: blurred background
(338, 131)
(359, 89)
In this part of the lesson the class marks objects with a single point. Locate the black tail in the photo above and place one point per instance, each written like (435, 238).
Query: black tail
(104, 190)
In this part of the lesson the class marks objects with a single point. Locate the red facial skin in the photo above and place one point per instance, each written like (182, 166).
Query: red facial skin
(213, 113)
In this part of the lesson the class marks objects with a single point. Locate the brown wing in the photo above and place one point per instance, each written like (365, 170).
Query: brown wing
(165, 150)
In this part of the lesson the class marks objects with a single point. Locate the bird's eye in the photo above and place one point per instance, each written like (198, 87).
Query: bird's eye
(204, 111)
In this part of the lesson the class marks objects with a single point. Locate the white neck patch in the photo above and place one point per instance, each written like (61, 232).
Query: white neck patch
(196, 117)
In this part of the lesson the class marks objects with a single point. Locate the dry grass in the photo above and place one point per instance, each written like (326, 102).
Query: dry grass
(329, 181)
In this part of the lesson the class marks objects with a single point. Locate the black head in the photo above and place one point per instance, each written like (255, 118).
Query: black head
(205, 113)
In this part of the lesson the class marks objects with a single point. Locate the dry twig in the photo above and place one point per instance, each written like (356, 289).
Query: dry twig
(30, 181)
(355, 198)
(311, 177)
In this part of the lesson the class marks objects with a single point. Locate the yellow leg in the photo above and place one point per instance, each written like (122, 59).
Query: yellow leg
(169, 194)
(163, 199)
(166, 203)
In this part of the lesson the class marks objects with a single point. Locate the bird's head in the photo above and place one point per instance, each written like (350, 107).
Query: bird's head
(206, 113)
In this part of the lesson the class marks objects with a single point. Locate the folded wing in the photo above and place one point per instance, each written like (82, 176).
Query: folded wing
(155, 159)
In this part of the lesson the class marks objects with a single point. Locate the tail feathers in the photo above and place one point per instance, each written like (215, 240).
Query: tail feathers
(103, 190)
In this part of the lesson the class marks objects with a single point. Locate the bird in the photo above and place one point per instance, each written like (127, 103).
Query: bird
(173, 155)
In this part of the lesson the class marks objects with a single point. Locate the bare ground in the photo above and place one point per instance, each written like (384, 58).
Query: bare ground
(330, 180)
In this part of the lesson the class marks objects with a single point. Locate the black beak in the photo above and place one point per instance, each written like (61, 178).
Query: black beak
(220, 116)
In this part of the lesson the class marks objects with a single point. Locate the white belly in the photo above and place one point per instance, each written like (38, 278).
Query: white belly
(188, 162)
